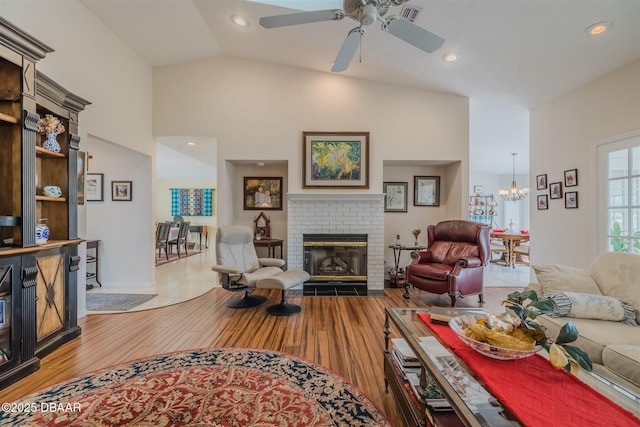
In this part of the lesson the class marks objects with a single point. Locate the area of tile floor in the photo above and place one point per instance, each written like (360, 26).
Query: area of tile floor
(190, 277)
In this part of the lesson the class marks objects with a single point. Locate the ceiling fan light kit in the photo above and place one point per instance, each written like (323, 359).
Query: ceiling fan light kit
(365, 12)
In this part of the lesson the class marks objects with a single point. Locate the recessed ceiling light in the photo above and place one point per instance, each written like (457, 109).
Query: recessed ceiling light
(191, 143)
(239, 21)
(598, 28)
(260, 164)
(451, 57)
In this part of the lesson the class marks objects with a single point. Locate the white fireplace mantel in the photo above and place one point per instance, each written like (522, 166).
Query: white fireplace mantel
(335, 196)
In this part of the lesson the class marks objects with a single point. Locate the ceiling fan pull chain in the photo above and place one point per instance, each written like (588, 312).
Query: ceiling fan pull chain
(360, 59)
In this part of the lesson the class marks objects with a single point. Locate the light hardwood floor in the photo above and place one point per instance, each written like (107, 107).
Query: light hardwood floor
(344, 334)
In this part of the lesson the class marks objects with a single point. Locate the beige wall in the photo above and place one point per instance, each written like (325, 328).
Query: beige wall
(258, 111)
(564, 133)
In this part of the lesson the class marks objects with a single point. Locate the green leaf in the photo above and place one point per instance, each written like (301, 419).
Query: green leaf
(529, 295)
(568, 333)
(579, 356)
(544, 306)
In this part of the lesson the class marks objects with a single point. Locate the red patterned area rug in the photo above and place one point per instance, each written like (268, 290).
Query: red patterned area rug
(208, 387)
(172, 257)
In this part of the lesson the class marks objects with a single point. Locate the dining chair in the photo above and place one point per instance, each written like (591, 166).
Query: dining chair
(181, 239)
(162, 238)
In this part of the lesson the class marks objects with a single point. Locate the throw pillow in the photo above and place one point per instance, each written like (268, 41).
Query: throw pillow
(589, 306)
(558, 278)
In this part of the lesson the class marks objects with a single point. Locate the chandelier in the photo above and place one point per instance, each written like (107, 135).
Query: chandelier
(514, 193)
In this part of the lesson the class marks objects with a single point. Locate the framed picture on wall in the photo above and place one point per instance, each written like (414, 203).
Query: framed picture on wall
(571, 200)
(543, 202)
(426, 191)
(335, 160)
(262, 193)
(555, 190)
(571, 178)
(94, 187)
(395, 196)
(121, 191)
(541, 181)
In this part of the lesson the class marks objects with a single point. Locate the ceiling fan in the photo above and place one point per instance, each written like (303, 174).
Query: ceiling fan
(365, 12)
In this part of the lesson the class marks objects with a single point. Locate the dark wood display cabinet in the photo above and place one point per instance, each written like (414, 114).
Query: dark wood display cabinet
(38, 282)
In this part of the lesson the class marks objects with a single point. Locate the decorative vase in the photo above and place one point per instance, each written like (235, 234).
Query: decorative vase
(51, 143)
(42, 232)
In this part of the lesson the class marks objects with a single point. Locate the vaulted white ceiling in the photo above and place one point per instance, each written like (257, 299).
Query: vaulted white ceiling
(515, 54)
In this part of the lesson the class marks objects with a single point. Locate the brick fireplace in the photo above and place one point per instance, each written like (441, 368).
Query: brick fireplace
(335, 214)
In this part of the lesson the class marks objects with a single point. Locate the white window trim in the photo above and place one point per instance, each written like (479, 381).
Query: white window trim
(598, 184)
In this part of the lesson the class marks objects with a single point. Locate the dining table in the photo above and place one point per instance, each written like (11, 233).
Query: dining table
(511, 240)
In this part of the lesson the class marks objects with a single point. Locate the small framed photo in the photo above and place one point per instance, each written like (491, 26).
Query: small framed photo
(121, 191)
(94, 187)
(543, 202)
(571, 178)
(541, 181)
(426, 191)
(555, 190)
(395, 199)
(571, 200)
(478, 189)
(263, 193)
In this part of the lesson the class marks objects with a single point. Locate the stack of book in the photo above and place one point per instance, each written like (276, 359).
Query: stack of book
(409, 366)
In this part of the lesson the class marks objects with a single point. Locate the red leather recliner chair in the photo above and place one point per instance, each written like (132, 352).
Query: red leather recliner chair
(454, 261)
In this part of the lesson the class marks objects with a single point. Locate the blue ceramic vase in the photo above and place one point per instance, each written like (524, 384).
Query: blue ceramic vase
(51, 143)
(42, 232)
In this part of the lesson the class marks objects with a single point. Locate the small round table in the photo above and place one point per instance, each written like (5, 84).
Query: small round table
(397, 250)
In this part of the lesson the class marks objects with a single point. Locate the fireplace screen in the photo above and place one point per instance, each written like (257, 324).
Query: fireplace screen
(335, 257)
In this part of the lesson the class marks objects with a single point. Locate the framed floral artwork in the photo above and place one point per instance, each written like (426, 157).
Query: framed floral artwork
(541, 181)
(395, 196)
(571, 200)
(543, 202)
(555, 190)
(571, 178)
(426, 191)
(335, 160)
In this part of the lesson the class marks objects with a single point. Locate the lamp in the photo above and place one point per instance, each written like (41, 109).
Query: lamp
(514, 193)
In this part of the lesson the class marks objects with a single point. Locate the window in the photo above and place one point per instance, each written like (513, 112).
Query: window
(620, 195)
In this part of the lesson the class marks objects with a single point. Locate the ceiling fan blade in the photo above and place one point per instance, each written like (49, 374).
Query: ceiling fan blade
(301, 18)
(347, 50)
(412, 34)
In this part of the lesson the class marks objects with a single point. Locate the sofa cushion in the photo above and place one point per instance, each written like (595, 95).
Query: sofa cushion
(595, 335)
(558, 278)
(589, 306)
(617, 274)
(624, 360)
(461, 250)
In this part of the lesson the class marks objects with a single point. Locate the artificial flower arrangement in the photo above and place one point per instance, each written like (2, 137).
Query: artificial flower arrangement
(416, 233)
(50, 124)
(524, 333)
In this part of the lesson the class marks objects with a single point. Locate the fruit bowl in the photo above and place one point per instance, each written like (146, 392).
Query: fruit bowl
(459, 324)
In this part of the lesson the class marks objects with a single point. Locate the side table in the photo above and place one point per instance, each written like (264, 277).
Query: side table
(92, 245)
(399, 279)
(270, 244)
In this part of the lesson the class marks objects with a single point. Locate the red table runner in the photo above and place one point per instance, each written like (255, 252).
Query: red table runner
(534, 391)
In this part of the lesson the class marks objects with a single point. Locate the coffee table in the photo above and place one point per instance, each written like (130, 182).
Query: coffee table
(487, 411)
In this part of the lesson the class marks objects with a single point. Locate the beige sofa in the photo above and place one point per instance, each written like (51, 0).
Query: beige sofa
(613, 346)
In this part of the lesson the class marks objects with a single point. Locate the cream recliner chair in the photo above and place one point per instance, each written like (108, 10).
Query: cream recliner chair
(240, 270)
